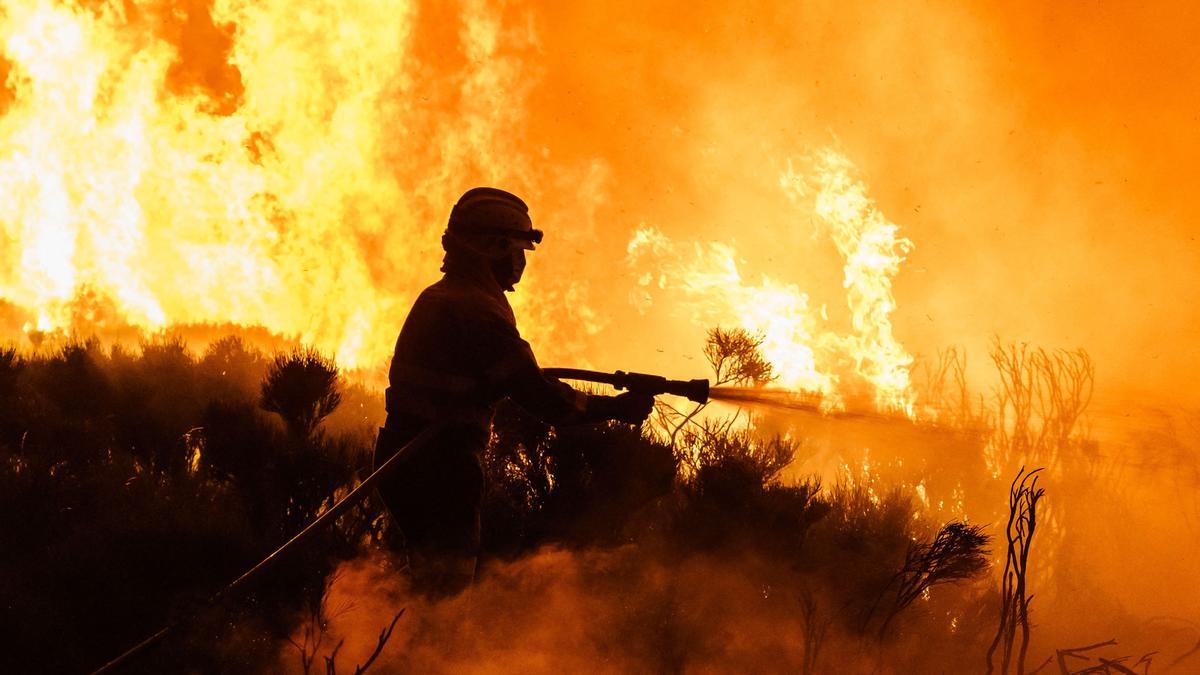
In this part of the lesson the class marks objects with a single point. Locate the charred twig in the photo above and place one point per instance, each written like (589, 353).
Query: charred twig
(331, 660)
(384, 635)
(1115, 664)
(1146, 660)
(1023, 498)
(1077, 653)
(1045, 663)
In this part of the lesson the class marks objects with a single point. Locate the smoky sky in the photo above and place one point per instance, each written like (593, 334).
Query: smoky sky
(1039, 157)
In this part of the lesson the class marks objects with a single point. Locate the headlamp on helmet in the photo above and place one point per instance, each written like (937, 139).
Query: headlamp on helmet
(485, 211)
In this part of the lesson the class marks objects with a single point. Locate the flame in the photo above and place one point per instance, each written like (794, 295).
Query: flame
(267, 194)
(796, 338)
(714, 291)
(266, 190)
(873, 253)
(176, 212)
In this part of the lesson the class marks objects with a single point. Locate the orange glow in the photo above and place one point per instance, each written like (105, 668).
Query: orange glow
(256, 163)
(861, 184)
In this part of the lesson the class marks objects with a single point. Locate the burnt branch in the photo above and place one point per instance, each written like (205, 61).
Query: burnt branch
(1015, 600)
(384, 635)
(815, 629)
(1187, 655)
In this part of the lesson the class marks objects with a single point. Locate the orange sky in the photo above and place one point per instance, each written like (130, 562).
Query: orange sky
(1037, 156)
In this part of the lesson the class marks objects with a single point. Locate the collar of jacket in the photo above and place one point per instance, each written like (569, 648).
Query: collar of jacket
(477, 273)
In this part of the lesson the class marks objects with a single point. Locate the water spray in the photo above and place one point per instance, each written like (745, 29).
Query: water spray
(797, 402)
(700, 391)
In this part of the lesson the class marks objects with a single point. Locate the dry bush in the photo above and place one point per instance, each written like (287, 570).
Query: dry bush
(233, 366)
(130, 481)
(736, 359)
(302, 387)
(107, 575)
(1040, 404)
(735, 356)
(946, 397)
(958, 552)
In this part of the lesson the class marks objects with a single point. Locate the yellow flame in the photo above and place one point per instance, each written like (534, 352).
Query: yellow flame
(297, 206)
(873, 252)
(280, 200)
(715, 293)
(806, 353)
(181, 214)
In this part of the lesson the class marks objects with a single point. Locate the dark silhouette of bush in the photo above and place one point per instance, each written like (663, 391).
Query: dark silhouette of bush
(232, 367)
(10, 370)
(958, 552)
(735, 356)
(581, 485)
(10, 364)
(302, 387)
(133, 483)
(734, 498)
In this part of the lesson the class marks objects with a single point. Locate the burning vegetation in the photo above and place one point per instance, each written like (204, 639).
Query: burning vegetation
(691, 545)
(630, 524)
(214, 215)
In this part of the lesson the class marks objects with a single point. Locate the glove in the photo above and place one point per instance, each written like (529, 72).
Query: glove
(631, 407)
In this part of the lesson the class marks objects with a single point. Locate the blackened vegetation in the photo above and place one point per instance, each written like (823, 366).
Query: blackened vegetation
(1084, 661)
(958, 552)
(1024, 495)
(302, 388)
(131, 485)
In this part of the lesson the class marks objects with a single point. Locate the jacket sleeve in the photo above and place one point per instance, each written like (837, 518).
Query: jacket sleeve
(512, 371)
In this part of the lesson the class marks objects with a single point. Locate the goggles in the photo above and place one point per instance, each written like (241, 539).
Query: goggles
(532, 236)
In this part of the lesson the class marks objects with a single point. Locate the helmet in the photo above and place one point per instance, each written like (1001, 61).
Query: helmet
(495, 226)
(484, 213)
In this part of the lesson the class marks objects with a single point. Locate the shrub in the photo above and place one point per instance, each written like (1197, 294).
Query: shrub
(302, 387)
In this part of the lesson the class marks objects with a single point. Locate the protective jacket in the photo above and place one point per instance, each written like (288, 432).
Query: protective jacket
(458, 354)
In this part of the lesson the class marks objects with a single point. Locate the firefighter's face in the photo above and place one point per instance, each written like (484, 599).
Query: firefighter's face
(517, 263)
(506, 258)
(508, 265)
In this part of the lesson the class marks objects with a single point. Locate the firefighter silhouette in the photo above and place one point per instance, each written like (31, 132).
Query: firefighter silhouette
(458, 354)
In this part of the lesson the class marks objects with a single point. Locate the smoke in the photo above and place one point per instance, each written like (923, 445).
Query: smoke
(608, 611)
(1036, 215)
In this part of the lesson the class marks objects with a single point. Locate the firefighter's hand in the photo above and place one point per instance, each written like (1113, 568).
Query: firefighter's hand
(631, 407)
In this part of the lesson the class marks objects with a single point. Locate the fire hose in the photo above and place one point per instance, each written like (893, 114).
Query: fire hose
(356, 495)
(694, 390)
